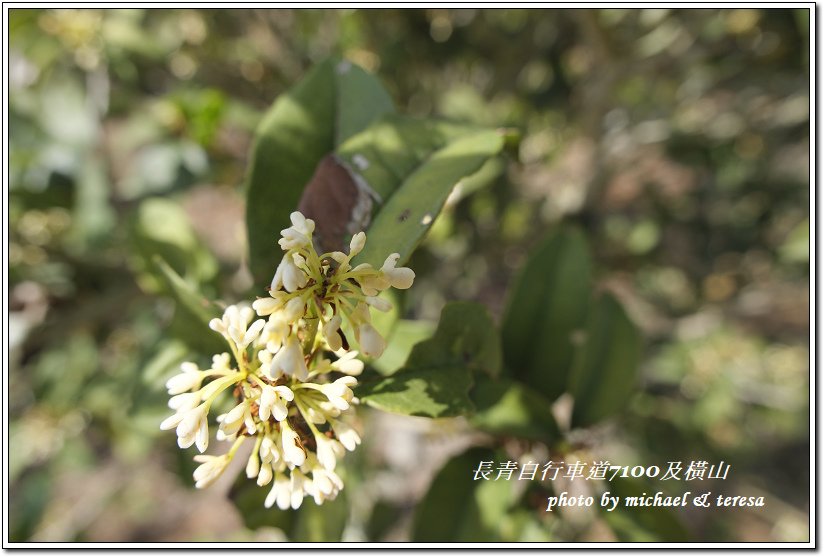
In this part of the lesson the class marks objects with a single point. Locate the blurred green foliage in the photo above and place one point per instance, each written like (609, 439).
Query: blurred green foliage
(676, 140)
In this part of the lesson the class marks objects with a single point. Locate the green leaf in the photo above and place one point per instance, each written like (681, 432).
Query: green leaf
(192, 312)
(458, 508)
(433, 393)
(606, 364)
(407, 215)
(488, 173)
(383, 517)
(437, 376)
(547, 306)
(360, 100)
(163, 362)
(403, 337)
(160, 228)
(334, 101)
(391, 148)
(466, 336)
(506, 407)
(642, 524)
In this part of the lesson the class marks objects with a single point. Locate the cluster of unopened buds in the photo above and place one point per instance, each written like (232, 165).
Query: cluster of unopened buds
(292, 401)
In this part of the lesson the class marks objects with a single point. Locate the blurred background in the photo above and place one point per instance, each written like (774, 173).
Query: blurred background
(678, 139)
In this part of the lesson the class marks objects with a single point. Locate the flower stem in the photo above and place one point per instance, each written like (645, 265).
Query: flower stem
(311, 332)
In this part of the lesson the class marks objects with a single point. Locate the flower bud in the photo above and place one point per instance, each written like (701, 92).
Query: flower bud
(265, 474)
(379, 303)
(330, 333)
(294, 309)
(289, 361)
(370, 340)
(357, 243)
(253, 465)
(293, 452)
(210, 469)
(186, 381)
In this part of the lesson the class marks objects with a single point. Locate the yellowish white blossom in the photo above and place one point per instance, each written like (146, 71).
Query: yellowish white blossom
(292, 398)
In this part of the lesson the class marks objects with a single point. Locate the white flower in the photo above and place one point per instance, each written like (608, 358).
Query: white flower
(400, 277)
(265, 475)
(328, 451)
(172, 421)
(233, 325)
(379, 303)
(357, 243)
(193, 428)
(281, 492)
(361, 314)
(294, 309)
(349, 364)
(221, 362)
(371, 284)
(318, 416)
(253, 465)
(326, 484)
(298, 485)
(330, 333)
(283, 348)
(236, 417)
(289, 276)
(339, 393)
(183, 402)
(299, 234)
(273, 402)
(231, 316)
(293, 451)
(186, 381)
(270, 305)
(370, 340)
(342, 259)
(268, 450)
(274, 332)
(289, 361)
(210, 470)
(346, 434)
(244, 337)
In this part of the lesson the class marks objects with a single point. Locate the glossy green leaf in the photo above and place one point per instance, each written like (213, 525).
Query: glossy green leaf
(505, 407)
(458, 508)
(391, 148)
(333, 102)
(547, 306)
(404, 218)
(488, 173)
(437, 376)
(433, 393)
(466, 336)
(606, 365)
(403, 337)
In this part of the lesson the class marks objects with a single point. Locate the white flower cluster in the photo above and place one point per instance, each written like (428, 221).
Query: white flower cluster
(295, 404)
